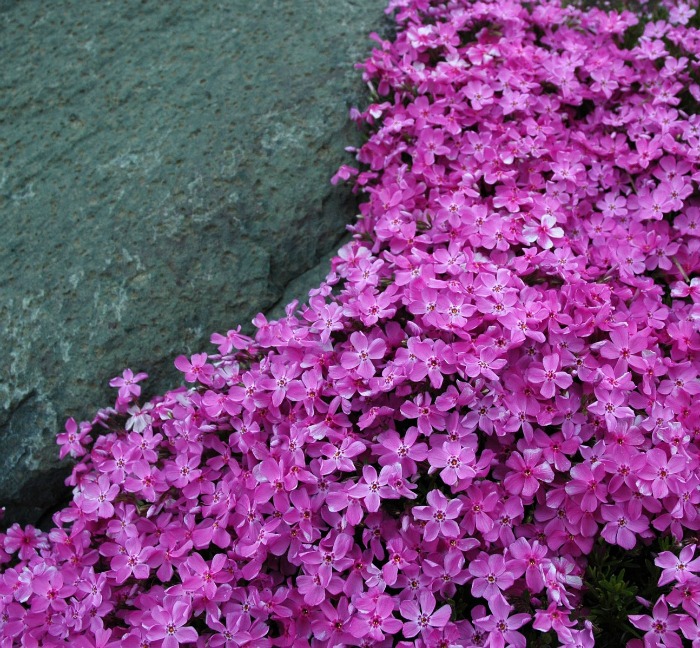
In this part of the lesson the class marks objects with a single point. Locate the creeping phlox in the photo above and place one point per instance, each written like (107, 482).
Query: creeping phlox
(497, 375)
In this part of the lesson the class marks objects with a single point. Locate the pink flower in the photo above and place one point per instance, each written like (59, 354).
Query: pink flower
(421, 614)
(492, 575)
(440, 515)
(312, 586)
(521, 288)
(549, 376)
(456, 461)
(333, 624)
(659, 627)
(622, 346)
(527, 472)
(428, 415)
(281, 381)
(486, 366)
(678, 568)
(183, 471)
(530, 559)
(399, 557)
(50, 589)
(392, 448)
(587, 486)
(554, 618)
(622, 526)
(233, 339)
(132, 562)
(375, 618)
(98, 496)
(127, 384)
(364, 352)
(24, 541)
(501, 626)
(199, 576)
(72, 440)
(339, 457)
(196, 368)
(544, 232)
(661, 473)
(167, 623)
(448, 574)
(611, 405)
(239, 631)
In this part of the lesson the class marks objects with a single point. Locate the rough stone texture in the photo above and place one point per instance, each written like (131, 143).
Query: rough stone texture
(164, 173)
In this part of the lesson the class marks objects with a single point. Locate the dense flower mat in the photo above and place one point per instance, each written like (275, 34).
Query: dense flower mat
(482, 417)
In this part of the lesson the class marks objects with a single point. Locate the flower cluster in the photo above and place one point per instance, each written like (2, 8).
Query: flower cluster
(497, 374)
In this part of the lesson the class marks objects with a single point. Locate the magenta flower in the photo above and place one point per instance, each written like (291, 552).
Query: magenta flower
(660, 626)
(611, 405)
(196, 368)
(333, 624)
(554, 618)
(587, 486)
(428, 416)
(486, 365)
(50, 590)
(492, 575)
(661, 473)
(329, 318)
(544, 232)
(239, 631)
(24, 541)
(198, 576)
(421, 615)
(313, 586)
(183, 471)
(133, 561)
(679, 568)
(281, 380)
(456, 461)
(449, 574)
(527, 471)
(622, 526)
(330, 556)
(128, 384)
(432, 360)
(394, 449)
(530, 559)
(167, 623)
(339, 457)
(233, 339)
(364, 351)
(98, 496)
(622, 346)
(502, 626)
(399, 557)
(369, 489)
(375, 618)
(440, 515)
(146, 480)
(549, 376)
(72, 440)
(480, 507)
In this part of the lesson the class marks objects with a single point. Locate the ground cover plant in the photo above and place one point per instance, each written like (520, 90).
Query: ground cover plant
(480, 430)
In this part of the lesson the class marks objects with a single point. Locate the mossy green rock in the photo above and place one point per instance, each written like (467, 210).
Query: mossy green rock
(164, 173)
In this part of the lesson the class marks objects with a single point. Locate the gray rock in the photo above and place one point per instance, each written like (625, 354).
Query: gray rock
(164, 173)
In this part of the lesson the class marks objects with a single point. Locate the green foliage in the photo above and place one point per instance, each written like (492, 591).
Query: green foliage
(615, 577)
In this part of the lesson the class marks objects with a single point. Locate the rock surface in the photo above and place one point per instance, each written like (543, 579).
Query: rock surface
(164, 173)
